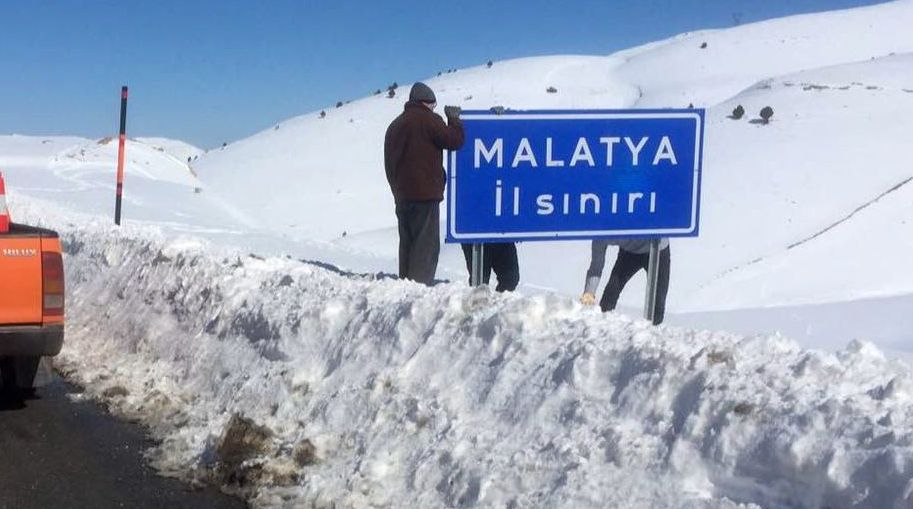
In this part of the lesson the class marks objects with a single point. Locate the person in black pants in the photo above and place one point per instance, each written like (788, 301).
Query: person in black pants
(500, 257)
(633, 255)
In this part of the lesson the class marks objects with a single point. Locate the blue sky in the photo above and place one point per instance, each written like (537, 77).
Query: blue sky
(208, 71)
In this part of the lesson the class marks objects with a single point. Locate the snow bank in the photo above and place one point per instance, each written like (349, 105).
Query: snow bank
(367, 392)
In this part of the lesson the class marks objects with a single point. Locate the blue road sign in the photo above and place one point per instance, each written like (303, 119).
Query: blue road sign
(561, 175)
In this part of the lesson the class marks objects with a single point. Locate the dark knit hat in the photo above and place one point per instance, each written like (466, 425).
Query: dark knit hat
(422, 92)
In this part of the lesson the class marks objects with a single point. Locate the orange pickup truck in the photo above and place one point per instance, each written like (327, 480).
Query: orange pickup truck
(31, 302)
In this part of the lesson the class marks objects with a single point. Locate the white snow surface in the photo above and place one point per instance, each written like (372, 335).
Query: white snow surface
(454, 397)
(235, 292)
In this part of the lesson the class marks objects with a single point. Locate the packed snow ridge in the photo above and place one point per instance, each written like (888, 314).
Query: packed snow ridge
(365, 392)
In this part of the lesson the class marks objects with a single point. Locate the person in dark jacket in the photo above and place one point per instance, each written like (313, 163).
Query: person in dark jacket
(413, 160)
(500, 257)
(633, 255)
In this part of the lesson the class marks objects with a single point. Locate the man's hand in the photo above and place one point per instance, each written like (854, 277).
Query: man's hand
(452, 111)
(588, 299)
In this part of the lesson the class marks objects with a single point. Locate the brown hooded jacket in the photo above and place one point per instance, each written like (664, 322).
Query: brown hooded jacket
(413, 156)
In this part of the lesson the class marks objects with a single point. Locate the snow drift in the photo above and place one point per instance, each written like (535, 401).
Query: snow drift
(370, 392)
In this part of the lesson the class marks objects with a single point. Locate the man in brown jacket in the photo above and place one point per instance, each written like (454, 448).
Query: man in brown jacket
(413, 159)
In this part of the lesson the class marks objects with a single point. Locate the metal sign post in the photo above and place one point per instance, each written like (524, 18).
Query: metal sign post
(478, 257)
(548, 175)
(652, 280)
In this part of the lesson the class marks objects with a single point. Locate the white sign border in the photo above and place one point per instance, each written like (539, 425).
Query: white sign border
(452, 170)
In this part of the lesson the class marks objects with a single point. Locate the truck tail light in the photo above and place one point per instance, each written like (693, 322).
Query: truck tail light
(52, 279)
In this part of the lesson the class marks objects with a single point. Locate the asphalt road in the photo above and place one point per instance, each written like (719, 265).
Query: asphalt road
(57, 453)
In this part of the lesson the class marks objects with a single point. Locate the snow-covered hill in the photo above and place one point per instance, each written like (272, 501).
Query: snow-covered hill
(843, 111)
(79, 173)
(178, 149)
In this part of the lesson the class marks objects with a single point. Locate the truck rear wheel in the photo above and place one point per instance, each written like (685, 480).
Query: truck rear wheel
(19, 373)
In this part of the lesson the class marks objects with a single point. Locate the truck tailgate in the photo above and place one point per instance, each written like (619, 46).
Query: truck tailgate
(20, 279)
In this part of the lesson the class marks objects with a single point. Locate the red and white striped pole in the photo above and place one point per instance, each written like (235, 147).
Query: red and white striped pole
(4, 212)
(120, 153)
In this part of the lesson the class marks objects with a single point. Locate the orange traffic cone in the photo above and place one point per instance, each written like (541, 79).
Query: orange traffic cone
(4, 211)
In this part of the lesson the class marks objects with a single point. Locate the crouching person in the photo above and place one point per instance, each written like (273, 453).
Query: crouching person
(633, 255)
